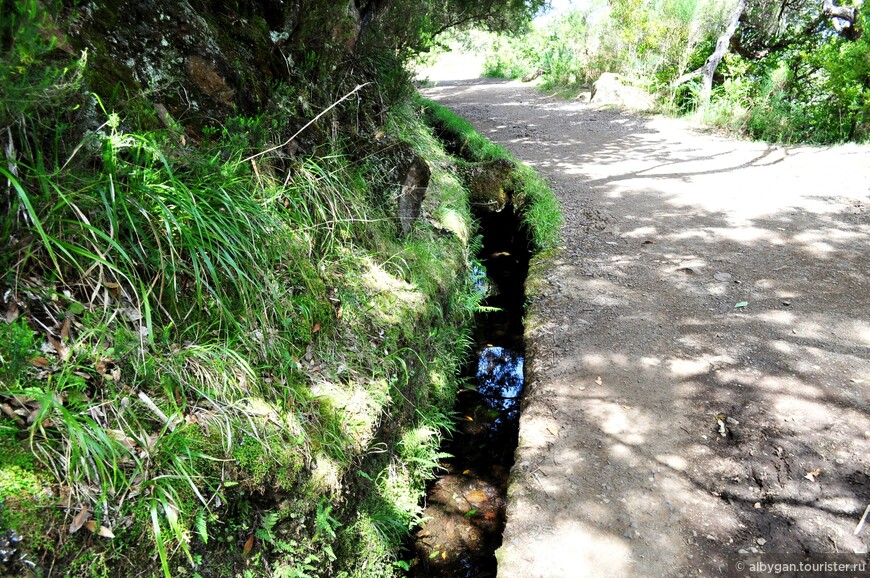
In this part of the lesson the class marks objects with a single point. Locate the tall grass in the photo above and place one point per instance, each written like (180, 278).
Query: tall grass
(220, 325)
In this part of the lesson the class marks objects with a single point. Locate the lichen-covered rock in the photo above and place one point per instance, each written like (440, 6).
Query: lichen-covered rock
(486, 181)
(414, 186)
(206, 61)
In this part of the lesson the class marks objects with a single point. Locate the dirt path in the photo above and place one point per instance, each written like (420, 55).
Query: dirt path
(638, 344)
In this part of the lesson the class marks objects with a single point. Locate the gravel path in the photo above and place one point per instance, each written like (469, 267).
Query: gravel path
(704, 285)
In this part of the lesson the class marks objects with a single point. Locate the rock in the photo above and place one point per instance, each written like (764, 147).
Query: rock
(722, 276)
(611, 88)
(414, 186)
(485, 181)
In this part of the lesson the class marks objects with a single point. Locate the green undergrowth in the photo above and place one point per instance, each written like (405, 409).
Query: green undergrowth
(530, 193)
(218, 358)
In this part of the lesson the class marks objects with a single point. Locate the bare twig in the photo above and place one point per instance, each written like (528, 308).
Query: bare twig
(154, 409)
(309, 123)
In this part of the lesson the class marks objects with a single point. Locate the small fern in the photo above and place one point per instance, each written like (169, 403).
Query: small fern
(201, 524)
(267, 525)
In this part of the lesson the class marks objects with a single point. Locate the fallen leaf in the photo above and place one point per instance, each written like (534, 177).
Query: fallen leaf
(379, 135)
(64, 330)
(80, 519)
(443, 555)
(40, 362)
(12, 313)
(76, 308)
(811, 476)
(466, 472)
(316, 328)
(468, 418)
(9, 412)
(58, 346)
(249, 545)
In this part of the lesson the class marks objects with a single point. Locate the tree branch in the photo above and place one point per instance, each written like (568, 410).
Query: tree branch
(687, 77)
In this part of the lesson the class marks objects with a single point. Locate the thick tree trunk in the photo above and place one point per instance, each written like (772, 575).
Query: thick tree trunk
(712, 63)
(714, 59)
(842, 18)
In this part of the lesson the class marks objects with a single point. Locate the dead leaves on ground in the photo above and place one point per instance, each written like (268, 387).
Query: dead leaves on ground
(82, 520)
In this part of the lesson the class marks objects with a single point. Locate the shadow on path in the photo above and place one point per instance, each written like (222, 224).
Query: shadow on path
(642, 353)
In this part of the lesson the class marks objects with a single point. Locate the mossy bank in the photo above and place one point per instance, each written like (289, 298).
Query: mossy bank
(236, 292)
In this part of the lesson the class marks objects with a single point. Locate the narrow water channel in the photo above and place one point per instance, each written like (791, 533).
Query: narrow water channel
(465, 506)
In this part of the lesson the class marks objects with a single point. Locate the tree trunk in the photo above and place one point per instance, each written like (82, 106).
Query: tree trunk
(714, 59)
(842, 18)
(712, 63)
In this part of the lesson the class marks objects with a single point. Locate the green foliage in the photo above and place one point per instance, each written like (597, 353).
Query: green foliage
(413, 26)
(797, 81)
(17, 347)
(33, 76)
(216, 335)
(813, 90)
(230, 323)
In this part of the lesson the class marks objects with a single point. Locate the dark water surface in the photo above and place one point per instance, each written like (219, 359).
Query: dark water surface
(465, 507)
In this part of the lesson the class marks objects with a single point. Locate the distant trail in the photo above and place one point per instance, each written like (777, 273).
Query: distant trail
(704, 285)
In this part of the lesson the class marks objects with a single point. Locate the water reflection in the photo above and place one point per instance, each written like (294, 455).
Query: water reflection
(500, 376)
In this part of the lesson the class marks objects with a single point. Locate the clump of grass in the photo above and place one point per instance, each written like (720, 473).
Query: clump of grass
(197, 333)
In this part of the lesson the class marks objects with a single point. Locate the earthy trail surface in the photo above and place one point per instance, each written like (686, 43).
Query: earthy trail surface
(642, 351)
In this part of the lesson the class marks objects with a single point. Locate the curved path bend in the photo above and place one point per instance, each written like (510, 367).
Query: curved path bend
(703, 285)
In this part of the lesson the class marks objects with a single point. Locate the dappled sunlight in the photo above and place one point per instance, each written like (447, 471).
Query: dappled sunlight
(390, 293)
(569, 548)
(707, 343)
(688, 367)
(676, 463)
(620, 421)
